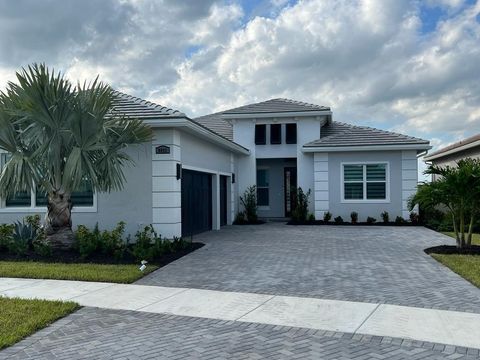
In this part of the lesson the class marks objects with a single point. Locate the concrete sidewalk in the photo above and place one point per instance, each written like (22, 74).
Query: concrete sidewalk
(437, 326)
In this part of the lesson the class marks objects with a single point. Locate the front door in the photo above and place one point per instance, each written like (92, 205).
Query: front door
(290, 184)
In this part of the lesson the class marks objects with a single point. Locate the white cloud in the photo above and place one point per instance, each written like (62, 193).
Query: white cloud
(368, 59)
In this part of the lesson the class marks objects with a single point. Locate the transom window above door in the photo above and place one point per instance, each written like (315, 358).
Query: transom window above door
(365, 182)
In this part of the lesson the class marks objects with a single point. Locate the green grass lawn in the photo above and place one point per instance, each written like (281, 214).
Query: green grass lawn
(475, 237)
(84, 272)
(20, 318)
(467, 266)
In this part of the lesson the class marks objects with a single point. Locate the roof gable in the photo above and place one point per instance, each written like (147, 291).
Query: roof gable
(276, 106)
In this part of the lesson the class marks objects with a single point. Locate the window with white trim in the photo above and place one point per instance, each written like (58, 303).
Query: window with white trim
(365, 181)
(84, 197)
(263, 187)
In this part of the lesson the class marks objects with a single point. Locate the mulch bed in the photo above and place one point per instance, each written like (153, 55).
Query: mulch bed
(378, 223)
(452, 249)
(72, 257)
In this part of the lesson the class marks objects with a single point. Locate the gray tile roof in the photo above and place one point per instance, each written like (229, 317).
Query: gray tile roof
(135, 107)
(339, 134)
(454, 146)
(217, 124)
(275, 106)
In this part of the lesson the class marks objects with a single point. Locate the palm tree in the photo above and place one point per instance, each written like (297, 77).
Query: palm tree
(457, 190)
(60, 137)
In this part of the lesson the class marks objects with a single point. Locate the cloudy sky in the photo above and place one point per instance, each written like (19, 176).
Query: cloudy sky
(408, 66)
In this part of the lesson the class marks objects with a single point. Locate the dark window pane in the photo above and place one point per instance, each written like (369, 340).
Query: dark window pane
(82, 197)
(262, 197)
(21, 199)
(353, 173)
(41, 199)
(260, 134)
(291, 133)
(376, 190)
(275, 134)
(353, 191)
(376, 172)
(262, 178)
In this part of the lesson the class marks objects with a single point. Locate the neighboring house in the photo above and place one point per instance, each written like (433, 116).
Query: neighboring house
(449, 155)
(190, 178)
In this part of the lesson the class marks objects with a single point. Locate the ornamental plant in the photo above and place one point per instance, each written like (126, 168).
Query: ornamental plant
(60, 137)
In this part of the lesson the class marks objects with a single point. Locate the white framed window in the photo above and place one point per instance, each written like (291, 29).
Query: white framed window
(263, 187)
(365, 182)
(84, 200)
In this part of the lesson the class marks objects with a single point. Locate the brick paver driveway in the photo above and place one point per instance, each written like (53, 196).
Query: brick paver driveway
(347, 263)
(371, 264)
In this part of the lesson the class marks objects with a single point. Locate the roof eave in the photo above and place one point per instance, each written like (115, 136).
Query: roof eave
(198, 129)
(391, 147)
(436, 156)
(280, 114)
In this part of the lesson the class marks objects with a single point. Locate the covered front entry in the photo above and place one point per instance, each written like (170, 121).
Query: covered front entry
(276, 185)
(196, 202)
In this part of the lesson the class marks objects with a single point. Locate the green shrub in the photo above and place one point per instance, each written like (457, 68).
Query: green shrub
(6, 235)
(311, 218)
(399, 220)
(385, 216)
(414, 218)
(40, 244)
(33, 221)
(42, 247)
(327, 216)
(240, 218)
(24, 234)
(338, 220)
(371, 220)
(147, 244)
(249, 202)
(300, 212)
(436, 219)
(354, 217)
(87, 242)
(112, 242)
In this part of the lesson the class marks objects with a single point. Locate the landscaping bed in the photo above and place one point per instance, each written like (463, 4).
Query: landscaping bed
(20, 318)
(72, 256)
(321, 222)
(96, 255)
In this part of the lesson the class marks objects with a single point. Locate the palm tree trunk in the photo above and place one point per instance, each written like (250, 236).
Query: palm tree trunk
(455, 229)
(58, 222)
(470, 230)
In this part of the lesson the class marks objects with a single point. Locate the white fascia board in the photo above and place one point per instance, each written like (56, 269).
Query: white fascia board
(198, 130)
(453, 151)
(277, 114)
(364, 148)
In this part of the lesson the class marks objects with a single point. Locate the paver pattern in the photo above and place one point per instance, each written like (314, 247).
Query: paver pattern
(118, 335)
(357, 263)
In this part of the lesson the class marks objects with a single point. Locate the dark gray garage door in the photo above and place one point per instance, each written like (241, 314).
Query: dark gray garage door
(196, 202)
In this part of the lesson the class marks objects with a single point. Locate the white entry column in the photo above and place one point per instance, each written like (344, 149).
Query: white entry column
(322, 199)
(166, 188)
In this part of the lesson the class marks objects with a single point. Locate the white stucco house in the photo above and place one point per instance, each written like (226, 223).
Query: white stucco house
(189, 179)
